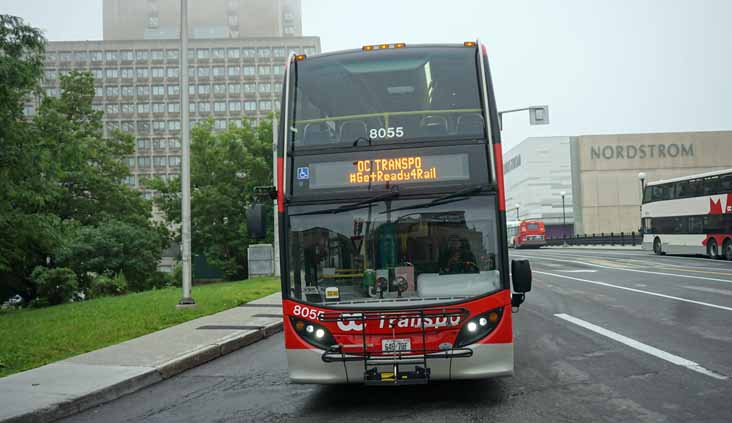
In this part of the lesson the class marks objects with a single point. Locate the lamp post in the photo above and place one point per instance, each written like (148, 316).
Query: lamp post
(564, 215)
(642, 179)
(518, 216)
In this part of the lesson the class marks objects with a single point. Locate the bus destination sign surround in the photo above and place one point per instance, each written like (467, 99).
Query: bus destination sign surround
(407, 169)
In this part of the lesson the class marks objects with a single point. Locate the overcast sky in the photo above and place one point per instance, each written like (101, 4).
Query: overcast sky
(602, 66)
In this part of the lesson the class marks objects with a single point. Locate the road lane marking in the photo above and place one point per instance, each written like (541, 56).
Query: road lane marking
(663, 355)
(641, 254)
(578, 271)
(705, 289)
(655, 294)
(626, 269)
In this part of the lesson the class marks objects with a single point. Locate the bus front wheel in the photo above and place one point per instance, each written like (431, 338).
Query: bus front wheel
(657, 249)
(727, 249)
(712, 248)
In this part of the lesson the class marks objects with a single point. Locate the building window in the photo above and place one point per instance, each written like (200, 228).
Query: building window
(51, 56)
(250, 106)
(265, 87)
(279, 52)
(250, 88)
(128, 91)
(174, 143)
(111, 56)
(143, 143)
(52, 92)
(112, 91)
(143, 107)
(248, 70)
(202, 53)
(144, 162)
(158, 107)
(233, 53)
(204, 89)
(158, 90)
(98, 107)
(96, 55)
(278, 70)
(153, 22)
(218, 71)
(220, 124)
(143, 126)
(158, 125)
(264, 70)
(82, 56)
(265, 105)
(142, 73)
(218, 53)
(309, 50)
(173, 107)
(233, 71)
(97, 73)
(28, 110)
(235, 106)
(158, 72)
(130, 180)
(264, 52)
(172, 54)
(127, 73)
(289, 30)
(159, 143)
(174, 125)
(174, 161)
(171, 72)
(236, 123)
(219, 106)
(143, 90)
(173, 89)
(112, 73)
(248, 52)
(203, 71)
(128, 55)
(159, 161)
(157, 54)
(191, 107)
(234, 88)
(98, 91)
(142, 55)
(204, 107)
(128, 126)
(219, 88)
(50, 75)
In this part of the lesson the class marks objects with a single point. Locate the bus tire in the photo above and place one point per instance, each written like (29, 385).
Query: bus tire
(657, 248)
(712, 248)
(727, 249)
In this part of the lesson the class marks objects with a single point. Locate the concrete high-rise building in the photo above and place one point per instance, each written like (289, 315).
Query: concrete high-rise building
(208, 19)
(137, 75)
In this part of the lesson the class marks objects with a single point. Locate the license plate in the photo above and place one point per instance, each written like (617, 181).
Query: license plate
(395, 345)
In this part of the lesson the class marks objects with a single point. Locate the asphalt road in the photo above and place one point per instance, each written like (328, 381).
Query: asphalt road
(605, 336)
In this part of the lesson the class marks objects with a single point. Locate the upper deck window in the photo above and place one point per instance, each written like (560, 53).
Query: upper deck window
(418, 93)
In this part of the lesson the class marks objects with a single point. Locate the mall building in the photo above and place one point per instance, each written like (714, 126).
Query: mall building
(599, 176)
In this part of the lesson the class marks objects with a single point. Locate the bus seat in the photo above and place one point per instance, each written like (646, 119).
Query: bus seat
(352, 131)
(314, 134)
(433, 125)
(470, 124)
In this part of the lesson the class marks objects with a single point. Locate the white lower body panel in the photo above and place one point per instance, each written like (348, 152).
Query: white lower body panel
(677, 244)
(488, 360)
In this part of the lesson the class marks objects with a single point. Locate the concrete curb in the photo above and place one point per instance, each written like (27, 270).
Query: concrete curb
(156, 374)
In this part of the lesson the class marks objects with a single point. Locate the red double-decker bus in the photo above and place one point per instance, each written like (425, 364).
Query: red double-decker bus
(526, 234)
(391, 215)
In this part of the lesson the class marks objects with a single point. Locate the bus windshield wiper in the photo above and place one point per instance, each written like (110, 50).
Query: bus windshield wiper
(359, 139)
(357, 205)
(447, 198)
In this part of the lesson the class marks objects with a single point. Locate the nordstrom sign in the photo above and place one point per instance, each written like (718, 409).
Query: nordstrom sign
(641, 151)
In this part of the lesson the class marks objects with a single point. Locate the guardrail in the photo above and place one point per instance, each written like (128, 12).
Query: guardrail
(621, 238)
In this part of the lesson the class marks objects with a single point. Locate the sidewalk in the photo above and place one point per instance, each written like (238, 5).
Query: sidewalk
(67, 387)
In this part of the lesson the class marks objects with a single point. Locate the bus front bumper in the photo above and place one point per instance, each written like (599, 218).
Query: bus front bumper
(487, 361)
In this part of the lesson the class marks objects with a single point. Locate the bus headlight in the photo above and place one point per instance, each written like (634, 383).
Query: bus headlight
(313, 333)
(478, 327)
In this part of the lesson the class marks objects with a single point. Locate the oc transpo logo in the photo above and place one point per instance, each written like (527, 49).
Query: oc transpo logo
(351, 322)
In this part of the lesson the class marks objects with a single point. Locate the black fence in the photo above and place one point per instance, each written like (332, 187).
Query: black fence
(621, 238)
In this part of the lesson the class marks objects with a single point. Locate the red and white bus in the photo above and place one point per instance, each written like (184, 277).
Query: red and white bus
(391, 217)
(526, 234)
(689, 215)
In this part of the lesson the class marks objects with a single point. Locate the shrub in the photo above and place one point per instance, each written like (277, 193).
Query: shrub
(176, 276)
(55, 286)
(103, 286)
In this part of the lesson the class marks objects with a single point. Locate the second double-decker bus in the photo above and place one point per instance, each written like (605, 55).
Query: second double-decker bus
(391, 217)
(689, 215)
(525, 233)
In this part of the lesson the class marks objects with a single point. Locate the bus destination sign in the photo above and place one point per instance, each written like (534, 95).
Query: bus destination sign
(407, 169)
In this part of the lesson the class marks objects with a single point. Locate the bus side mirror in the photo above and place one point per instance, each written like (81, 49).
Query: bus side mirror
(255, 222)
(521, 275)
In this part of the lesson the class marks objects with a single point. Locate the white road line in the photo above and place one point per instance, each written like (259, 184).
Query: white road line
(641, 254)
(626, 269)
(655, 294)
(663, 355)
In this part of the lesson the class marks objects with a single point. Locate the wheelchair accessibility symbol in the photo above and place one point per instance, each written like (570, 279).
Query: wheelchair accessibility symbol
(303, 173)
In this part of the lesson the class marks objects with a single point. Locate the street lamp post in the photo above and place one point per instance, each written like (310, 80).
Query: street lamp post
(564, 215)
(518, 216)
(642, 179)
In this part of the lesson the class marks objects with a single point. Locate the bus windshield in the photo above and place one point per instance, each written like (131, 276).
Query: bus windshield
(387, 95)
(394, 251)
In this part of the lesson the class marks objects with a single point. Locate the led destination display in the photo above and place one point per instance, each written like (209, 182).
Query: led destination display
(407, 169)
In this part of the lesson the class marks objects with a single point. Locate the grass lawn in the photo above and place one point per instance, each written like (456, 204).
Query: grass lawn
(34, 337)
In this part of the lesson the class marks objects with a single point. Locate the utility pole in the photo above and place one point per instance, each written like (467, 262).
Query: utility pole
(186, 300)
(276, 249)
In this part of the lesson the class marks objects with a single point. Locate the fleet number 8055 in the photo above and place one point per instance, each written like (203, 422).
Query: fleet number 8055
(390, 132)
(305, 312)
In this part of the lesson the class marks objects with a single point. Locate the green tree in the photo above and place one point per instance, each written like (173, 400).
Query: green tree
(225, 168)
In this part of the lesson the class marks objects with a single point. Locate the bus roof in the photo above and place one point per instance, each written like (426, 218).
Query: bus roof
(690, 177)
(407, 46)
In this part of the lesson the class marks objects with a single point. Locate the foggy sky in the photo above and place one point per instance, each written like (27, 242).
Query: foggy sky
(602, 66)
